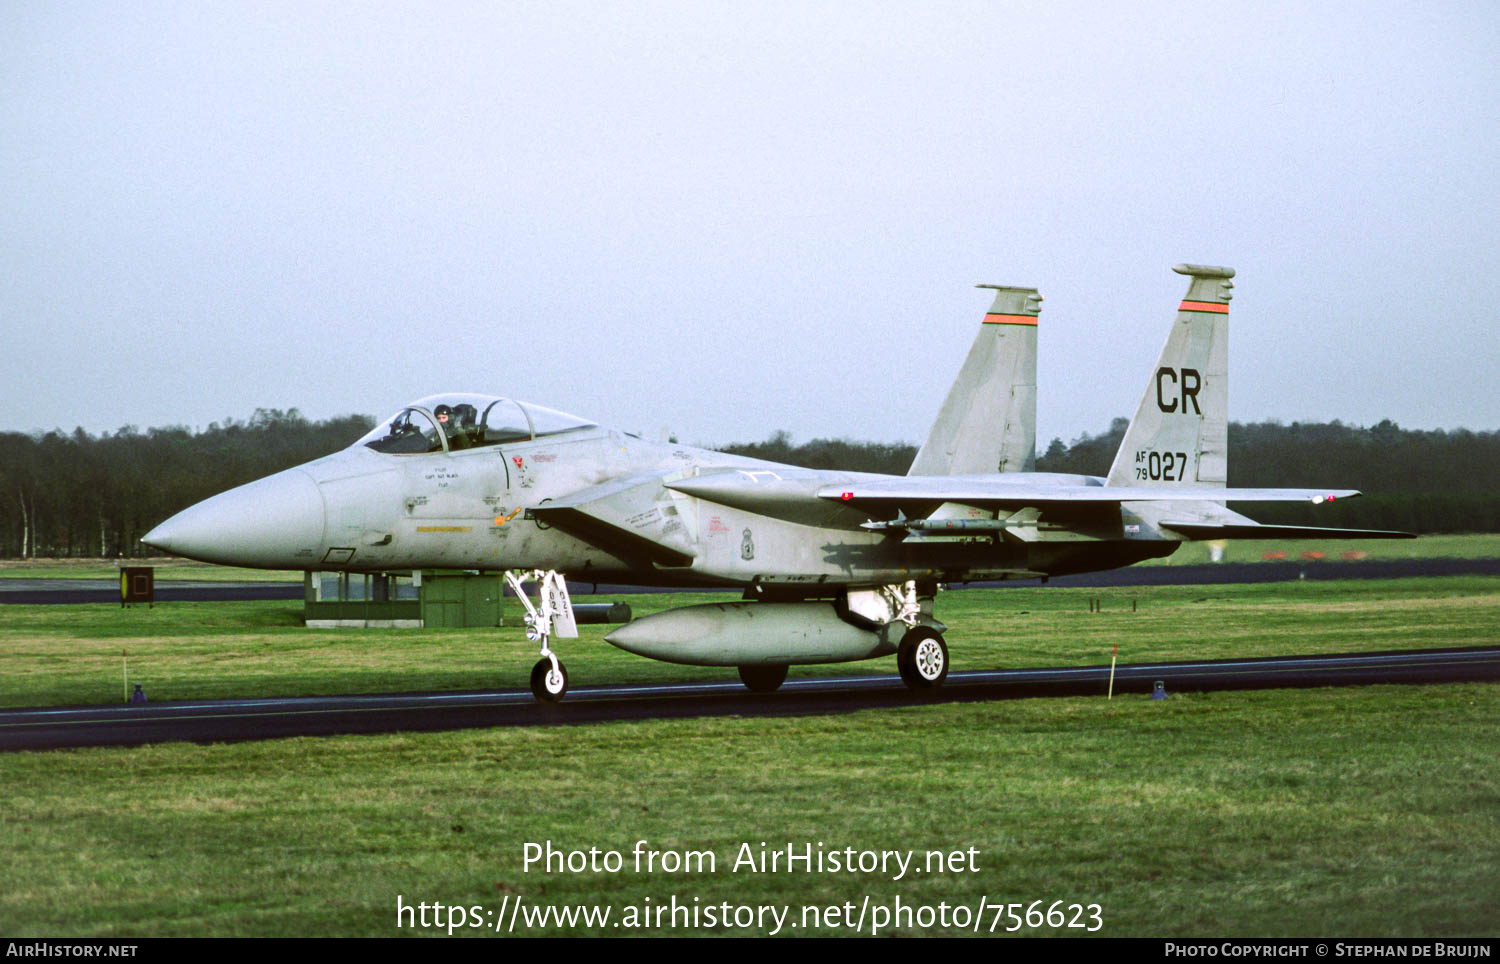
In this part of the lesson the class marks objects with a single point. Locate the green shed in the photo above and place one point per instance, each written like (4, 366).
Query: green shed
(402, 600)
(451, 600)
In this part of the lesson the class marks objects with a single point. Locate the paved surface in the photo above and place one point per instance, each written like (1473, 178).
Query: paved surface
(71, 591)
(258, 719)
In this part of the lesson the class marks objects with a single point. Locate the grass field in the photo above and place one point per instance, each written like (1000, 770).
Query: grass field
(1359, 812)
(1370, 811)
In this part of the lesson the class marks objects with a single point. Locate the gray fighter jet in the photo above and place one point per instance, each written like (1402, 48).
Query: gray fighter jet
(834, 566)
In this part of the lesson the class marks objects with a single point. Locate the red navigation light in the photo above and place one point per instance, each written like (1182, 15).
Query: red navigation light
(847, 496)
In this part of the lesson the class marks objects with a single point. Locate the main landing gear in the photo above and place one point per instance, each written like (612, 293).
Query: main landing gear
(552, 614)
(921, 656)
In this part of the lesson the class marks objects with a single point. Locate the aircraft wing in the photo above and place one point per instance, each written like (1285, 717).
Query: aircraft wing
(980, 490)
(792, 494)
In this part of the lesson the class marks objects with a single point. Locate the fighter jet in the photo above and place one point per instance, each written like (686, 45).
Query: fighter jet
(833, 566)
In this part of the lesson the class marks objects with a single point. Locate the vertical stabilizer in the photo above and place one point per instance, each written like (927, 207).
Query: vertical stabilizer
(988, 421)
(1180, 433)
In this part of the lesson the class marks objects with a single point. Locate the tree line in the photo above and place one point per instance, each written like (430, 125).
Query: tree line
(65, 495)
(83, 495)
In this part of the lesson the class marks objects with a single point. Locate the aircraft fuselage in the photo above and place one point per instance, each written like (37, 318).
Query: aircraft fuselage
(366, 511)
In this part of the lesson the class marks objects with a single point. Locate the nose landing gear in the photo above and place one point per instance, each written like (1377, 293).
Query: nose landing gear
(552, 614)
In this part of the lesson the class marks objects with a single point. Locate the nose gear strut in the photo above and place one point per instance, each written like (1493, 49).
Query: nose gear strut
(553, 614)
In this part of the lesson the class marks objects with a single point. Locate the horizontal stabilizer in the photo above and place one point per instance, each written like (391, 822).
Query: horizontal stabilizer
(1200, 530)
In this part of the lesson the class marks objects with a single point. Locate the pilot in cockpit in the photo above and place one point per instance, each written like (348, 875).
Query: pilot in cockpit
(456, 423)
(449, 426)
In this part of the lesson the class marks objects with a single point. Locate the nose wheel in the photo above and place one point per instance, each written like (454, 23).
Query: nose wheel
(552, 615)
(549, 679)
(922, 658)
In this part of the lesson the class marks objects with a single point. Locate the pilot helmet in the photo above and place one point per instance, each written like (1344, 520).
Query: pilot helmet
(442, 411)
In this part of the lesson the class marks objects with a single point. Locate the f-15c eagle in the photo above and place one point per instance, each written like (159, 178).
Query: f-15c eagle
(834, 566)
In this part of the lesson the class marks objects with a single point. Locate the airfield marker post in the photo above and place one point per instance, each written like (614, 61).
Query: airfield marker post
(1112, 657)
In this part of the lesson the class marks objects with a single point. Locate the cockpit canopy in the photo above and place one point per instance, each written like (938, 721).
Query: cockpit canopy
(452, 422)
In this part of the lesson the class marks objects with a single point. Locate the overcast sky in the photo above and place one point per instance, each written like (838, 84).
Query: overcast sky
(733, 218)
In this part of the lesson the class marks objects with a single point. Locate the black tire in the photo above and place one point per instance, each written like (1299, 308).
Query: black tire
(922, 658)
(765, 678)
(544, 689)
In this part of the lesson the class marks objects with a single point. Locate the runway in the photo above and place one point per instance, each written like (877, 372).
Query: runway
(207, 721)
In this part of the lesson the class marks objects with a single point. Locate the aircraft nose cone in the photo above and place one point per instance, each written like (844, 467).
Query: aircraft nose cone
(273, 523)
